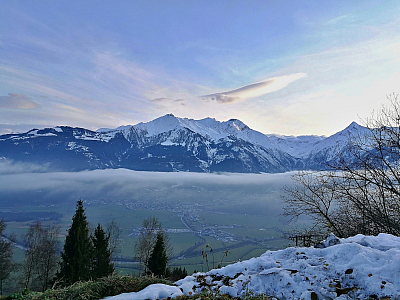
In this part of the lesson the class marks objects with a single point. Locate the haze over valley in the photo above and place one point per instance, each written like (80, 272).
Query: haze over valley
(228, 130)
(240, 212)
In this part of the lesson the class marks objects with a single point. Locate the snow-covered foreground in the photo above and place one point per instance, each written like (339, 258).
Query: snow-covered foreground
(356, 268)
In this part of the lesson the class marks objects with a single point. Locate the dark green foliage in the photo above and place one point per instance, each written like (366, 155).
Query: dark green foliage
(6, 252)
(77, 256)
(158, 260)
(144, 248)
(92, 290)
(176, 274)
(146, 242)
(102, 264)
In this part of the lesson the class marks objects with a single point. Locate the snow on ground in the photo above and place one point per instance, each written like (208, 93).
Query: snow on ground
(154, 291)
(354, 268)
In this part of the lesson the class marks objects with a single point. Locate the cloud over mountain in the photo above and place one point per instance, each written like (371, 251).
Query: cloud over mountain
(17, 101)
(255, 89)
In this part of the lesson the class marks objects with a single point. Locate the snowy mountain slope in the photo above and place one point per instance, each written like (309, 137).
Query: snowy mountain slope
(296, 146)
(170, 143)
(359, 267)
(64, 148)
(327, 150)
(208, 128)
(303, 151)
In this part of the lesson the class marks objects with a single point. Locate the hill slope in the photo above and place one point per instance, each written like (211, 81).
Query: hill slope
(170, 144)
(358, 267)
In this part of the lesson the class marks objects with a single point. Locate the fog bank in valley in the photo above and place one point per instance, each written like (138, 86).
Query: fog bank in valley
(26, 184)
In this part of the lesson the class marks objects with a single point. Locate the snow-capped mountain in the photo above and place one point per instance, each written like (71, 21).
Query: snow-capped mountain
(170, 143)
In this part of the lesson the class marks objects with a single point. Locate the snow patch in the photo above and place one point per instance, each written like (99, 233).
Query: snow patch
(354, 268)
(35, 133)
(152, 292)
(169, 143)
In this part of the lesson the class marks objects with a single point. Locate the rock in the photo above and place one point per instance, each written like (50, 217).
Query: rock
(331, 240)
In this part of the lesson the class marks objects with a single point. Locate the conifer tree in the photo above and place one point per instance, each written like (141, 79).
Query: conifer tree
(77, 256)
(146, 242)
(158, 260)
(102, 264)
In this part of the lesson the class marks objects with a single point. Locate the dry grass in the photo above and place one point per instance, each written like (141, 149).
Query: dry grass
(92, 290)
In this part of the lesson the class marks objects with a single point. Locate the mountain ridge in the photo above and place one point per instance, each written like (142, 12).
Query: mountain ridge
(169, 143)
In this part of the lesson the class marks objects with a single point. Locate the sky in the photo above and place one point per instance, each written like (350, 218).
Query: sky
(285, 67)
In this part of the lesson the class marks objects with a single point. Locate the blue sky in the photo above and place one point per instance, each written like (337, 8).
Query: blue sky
(286, 67)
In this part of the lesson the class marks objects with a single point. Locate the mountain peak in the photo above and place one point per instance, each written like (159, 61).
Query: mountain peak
(352, 129)
(169, 115)
(205, 145)
(353, 125)
(239, 125)
(162, 118)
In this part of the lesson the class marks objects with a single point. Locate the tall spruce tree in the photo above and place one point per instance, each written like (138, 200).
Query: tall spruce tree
(77, 256)
(102, 264)
(158, 260)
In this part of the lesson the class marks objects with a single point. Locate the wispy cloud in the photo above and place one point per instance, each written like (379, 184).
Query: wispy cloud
(340, 19)
(111, 67)
(70, 108)
(255, 89)
(17, 101)
(168, 101)
(161, 99)
(61, 65)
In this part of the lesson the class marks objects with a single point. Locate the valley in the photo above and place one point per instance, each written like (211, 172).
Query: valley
(239, 213)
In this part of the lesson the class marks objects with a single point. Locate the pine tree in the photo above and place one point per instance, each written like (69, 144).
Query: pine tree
(158, 260)
(102, 264)
(77, 256)
(146, 242)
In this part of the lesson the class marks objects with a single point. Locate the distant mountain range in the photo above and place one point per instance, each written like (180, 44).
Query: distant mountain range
(172, 144)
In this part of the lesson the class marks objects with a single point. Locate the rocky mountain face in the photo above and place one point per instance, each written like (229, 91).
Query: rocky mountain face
(171, 144)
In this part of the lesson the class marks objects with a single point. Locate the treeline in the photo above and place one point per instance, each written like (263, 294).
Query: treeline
(154, 251)
(25, 216)
(84, 255)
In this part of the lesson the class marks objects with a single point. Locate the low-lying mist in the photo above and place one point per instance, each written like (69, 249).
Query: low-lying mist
(32, 185)
(240, 212)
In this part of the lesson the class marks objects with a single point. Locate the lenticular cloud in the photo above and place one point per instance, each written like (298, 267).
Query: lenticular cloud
(255, 89)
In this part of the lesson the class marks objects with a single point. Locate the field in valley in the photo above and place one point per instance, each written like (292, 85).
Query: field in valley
(236, 212)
